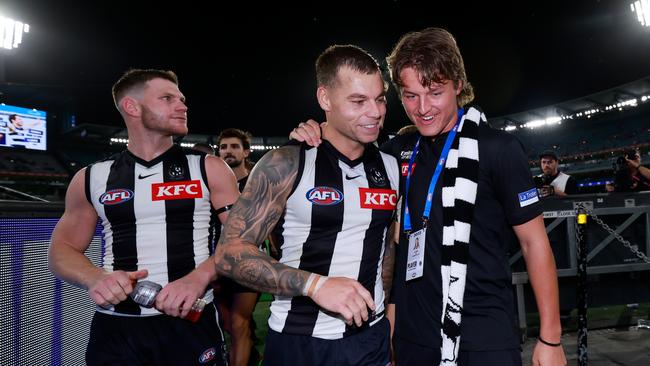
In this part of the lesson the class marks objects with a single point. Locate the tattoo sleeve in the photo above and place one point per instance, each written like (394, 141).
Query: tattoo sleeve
(250, 221)
(388, 264)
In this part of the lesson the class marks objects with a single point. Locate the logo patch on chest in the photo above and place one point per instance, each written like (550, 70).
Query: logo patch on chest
(405, 169)
(324, 196)
(176, 190)
(378, 199)
(115, 196)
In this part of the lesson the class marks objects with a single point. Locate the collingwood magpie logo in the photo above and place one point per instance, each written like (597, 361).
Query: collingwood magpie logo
(377, 177)
(175, 172)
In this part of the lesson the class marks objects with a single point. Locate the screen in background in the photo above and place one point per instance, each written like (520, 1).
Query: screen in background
(22, 128)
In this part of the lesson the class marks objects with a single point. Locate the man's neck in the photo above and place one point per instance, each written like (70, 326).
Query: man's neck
(350, 148)
(240, 171)
(150, 146)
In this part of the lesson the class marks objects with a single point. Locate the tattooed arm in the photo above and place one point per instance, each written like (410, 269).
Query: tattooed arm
(388, 264)
(251, 220)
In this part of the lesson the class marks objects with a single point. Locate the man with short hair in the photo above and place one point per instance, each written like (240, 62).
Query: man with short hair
(553, 182)
(154, 200)
(236, 302)
(332, 206)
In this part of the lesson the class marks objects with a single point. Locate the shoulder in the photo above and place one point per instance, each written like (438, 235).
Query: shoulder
(400, 145)
(289, 152)
(215, 164)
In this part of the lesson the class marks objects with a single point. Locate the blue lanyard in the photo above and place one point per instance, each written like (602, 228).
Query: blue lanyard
(434, 179)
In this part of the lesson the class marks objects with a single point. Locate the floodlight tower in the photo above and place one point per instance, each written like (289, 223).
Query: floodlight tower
(11, 35)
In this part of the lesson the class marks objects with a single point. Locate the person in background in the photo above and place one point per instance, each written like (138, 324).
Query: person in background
(236, 302)
(553, 182)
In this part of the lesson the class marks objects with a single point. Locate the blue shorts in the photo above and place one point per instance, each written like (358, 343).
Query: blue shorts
(369, 347)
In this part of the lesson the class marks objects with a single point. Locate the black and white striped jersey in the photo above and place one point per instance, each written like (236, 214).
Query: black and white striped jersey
(155, 216)
(335, 224)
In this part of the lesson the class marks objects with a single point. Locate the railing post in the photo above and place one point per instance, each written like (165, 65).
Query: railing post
(581, 231)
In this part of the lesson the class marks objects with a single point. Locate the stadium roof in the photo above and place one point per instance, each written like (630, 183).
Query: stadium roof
(599, 100)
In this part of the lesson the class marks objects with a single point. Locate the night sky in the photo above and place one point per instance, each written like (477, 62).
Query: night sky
(252, 67)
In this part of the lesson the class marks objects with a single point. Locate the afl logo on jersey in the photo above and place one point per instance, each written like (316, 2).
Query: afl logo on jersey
(208, 355)
(115, 196)
(324, 196)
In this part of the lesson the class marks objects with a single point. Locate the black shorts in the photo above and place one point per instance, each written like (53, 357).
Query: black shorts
(370, 347)
(408, 353)
(155, 340)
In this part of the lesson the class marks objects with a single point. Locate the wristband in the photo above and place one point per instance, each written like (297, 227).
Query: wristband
(318, 284)
(549, 343)
(309, 284)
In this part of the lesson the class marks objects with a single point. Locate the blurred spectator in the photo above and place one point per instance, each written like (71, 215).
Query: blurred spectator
(629, 174)
(551, 181)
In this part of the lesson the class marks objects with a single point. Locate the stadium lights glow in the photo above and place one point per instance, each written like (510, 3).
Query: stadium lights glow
(642, 10)
(11, 32)
(264, 147)
(543, 122)
(118, 140)
(629, 103)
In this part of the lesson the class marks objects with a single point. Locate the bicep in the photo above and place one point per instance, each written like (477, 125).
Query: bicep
(263, 200)
(531, 234)
(222, 184)
(77, 225)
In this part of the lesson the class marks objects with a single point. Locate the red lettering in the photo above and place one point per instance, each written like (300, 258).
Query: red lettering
(378, 199)
(176, 190)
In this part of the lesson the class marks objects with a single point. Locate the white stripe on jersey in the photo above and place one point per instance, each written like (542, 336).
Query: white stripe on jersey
(348, 248)
(151, 226)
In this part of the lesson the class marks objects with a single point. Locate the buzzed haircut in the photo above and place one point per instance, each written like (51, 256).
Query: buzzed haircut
(137, 78)
(334, 57)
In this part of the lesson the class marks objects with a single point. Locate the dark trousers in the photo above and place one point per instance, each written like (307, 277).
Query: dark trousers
(369, 347)
(411, 354)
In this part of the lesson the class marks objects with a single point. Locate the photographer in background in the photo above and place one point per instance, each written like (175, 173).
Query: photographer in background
(553, 182)
(629, 174)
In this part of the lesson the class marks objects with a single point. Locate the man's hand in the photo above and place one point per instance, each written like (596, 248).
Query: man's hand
(345, 296)
(308, 132)
(544, 355)
(177, 297)
(114, 287)
(634, 163)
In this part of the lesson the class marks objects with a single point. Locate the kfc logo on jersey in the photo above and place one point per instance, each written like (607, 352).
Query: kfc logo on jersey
(378, 199)
(176, 190)
(405, 169)
(115, 196)
(324, 196)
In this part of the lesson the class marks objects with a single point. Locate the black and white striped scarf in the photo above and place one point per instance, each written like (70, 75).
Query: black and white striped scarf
(460, 182)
